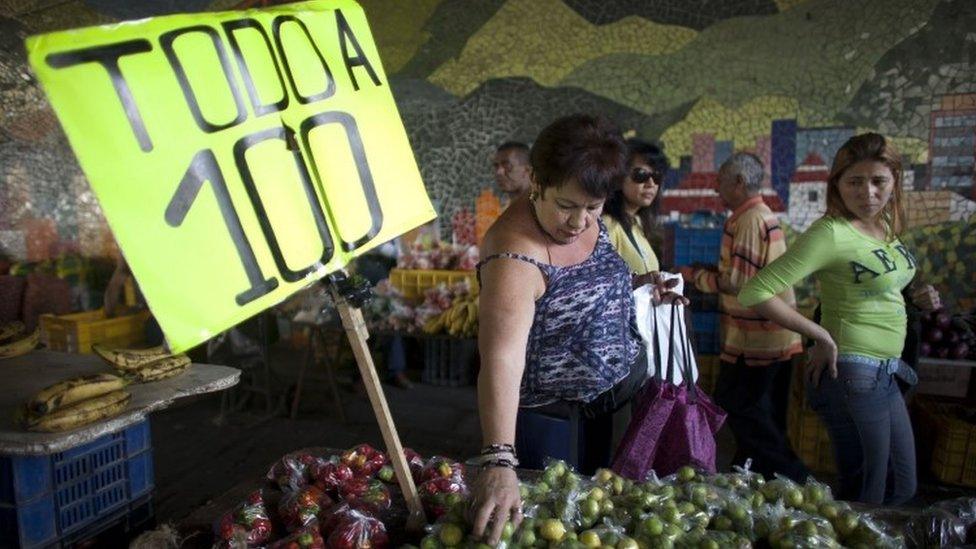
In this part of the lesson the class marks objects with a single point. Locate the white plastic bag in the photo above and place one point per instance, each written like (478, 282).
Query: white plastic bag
(646, 312)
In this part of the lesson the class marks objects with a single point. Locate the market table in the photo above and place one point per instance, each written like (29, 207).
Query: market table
(98, 480)
(23, 376)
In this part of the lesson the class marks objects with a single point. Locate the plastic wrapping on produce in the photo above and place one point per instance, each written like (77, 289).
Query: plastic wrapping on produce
(442, 485)
(364, 460)
(329, 474)
(302, 507)
(248, 525)
(366, 493)
(350, 528)
(308, 537)
(292, 471)
(945, 524)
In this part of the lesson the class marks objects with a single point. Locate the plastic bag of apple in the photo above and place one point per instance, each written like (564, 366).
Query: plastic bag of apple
(687, 509)
(337, 502)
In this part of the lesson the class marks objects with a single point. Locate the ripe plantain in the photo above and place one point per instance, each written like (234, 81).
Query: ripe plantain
(11, 329)
(129, 359)
(21, 346)
(81, 413)
(70, 391)
(162, 368)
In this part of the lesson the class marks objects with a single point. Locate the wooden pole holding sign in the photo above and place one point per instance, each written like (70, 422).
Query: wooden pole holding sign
(355, 326)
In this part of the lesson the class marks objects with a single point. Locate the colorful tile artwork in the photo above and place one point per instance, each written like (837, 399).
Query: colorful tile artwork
(789, 80)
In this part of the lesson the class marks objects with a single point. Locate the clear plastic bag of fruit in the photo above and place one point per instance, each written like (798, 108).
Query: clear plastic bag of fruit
(448, 532)
(868, 532)
(946, 523)
(308, 537)
(415, 462)
(442, 467)
(292, 471)
(301, 507)
(734, 514)
(248, 525)
(783, 489)
(329, 474)
(606, 533)
(351, 528)
(364, 460)
(440, 494)
(366, 492)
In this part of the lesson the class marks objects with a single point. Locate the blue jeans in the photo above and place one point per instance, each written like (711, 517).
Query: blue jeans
(865, 414)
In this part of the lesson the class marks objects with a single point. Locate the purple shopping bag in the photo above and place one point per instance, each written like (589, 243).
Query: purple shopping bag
(651, 413)
(689, 435)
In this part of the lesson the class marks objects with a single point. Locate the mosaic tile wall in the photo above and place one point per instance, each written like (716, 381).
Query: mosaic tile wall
(788, 79)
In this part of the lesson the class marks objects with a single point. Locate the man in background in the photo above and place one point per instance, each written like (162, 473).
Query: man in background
(513, 174)
(755, 363)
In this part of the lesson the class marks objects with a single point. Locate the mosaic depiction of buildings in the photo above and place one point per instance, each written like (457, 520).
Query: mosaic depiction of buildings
(787, 79)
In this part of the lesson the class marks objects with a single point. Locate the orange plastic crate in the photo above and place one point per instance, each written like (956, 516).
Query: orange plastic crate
(77, 332)
(413, 282)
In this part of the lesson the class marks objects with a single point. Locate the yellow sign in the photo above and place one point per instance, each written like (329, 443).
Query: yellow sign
(238, 156)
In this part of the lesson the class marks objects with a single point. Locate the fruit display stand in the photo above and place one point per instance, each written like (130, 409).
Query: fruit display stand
(66, 487)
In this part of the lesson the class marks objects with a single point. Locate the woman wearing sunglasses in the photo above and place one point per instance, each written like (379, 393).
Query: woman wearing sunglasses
(629, 215)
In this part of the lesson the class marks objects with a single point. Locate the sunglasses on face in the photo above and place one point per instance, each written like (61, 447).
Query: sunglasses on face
(641, 176)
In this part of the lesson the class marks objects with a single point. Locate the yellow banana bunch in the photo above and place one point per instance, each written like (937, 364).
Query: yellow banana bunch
(21, 346)
(10, 329)
(71, 391)
(434, 324)
(459, 320)
(80, 413)
(161, 368)
(129, 359)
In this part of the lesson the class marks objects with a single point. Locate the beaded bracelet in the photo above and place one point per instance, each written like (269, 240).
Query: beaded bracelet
(494, 448)
(500, 463)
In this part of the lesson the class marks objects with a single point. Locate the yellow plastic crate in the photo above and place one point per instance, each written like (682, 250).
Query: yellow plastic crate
(413, 282)
(77, 332)
(954, 442)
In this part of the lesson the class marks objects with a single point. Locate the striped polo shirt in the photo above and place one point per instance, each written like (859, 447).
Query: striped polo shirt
(752, 238)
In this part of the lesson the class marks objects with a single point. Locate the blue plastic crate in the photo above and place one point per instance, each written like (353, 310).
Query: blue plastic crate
(696, 245)
(44, 499)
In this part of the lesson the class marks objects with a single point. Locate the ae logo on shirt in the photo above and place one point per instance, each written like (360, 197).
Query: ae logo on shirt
(888, 264)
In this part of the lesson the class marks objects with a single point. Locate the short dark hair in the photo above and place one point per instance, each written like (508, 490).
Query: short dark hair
(583, 147)
(521, 149)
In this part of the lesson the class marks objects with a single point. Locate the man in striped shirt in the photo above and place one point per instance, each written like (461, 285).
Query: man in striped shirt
(753, 382)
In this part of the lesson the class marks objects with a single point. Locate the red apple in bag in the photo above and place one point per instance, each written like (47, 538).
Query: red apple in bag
(366, 491)
(364, 460)
(247, 524)
(357, 530)
(329, 474)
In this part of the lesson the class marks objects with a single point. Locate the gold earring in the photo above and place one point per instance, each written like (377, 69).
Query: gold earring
(534, 195)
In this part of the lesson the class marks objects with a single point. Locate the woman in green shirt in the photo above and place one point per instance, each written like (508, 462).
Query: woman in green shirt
(854, 253)
(628, 213)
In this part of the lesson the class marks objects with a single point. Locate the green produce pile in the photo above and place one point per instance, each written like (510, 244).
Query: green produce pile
(686, 510)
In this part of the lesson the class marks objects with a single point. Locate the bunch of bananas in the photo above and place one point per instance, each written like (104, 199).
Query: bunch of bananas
(460, 320)
(143, 365)
(75, 402)
(11, 342)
